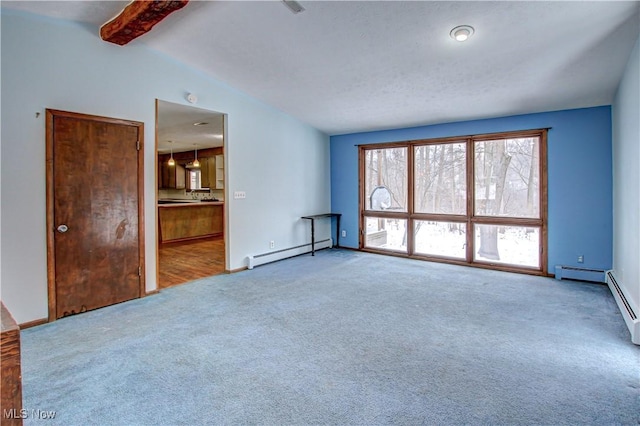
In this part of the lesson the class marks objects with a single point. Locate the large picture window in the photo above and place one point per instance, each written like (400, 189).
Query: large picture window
(477, 200)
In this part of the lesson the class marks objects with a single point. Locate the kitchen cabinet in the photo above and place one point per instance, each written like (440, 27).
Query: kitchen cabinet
(219, 172)
(171, 177)
(211, 171)
(207, 172)
(204, 173)
(204, 176)
(185, 221)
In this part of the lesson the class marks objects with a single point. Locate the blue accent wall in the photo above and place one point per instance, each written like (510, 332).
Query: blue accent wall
(579, 177)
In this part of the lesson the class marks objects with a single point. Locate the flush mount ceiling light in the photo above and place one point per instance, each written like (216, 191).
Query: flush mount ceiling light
(201, 123)
(462, 32)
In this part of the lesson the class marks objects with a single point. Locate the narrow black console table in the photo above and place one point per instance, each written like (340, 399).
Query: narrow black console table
(313, 218)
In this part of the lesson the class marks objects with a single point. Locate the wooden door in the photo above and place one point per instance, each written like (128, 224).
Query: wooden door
(94, 212)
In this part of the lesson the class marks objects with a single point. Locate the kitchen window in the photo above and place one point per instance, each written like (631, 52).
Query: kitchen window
(195, 179)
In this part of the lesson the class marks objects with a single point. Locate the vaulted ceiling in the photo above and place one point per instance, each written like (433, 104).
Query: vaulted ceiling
(345, 66)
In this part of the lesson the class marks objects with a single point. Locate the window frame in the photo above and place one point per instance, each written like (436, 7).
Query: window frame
(470, 219)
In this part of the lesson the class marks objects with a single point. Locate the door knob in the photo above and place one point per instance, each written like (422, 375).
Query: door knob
(63, 228)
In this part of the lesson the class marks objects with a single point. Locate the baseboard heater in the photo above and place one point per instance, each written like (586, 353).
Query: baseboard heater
(582, 274)
(628, 312)
(272, 256)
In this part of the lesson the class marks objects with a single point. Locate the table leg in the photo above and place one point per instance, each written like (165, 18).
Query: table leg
(337, 231)
(313, 237)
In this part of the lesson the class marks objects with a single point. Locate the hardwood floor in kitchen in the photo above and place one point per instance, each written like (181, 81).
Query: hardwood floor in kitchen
(186, 261)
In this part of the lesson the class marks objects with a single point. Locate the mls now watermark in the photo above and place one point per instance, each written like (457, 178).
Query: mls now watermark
(38, 414)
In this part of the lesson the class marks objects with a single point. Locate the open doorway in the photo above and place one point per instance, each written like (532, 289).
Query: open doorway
(190, 211)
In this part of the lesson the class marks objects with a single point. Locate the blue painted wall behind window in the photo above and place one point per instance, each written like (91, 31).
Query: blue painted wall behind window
(579, 177)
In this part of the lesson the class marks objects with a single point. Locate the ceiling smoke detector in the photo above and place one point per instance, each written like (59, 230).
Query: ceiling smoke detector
(462, 32)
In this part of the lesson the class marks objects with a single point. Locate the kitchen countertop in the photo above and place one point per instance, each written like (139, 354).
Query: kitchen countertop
(191, 204)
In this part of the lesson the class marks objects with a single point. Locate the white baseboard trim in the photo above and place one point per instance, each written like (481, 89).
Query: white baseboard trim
(627, 308)
(272, 256)
(581, 274)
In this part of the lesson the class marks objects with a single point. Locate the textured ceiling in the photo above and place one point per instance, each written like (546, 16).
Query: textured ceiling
(177, 128)
(367, 65)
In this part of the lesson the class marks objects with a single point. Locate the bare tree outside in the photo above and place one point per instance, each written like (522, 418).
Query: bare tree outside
(440, 187)
(506, 184)
(441, 179)
(386, 173)
(387, 167)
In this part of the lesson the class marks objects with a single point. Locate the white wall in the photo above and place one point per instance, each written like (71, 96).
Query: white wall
(626, 180)
(281, 163)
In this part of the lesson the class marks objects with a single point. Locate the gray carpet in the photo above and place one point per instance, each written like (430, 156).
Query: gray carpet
(342, 338)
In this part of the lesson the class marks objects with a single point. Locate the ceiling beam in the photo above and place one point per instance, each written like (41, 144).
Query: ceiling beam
(138, 18)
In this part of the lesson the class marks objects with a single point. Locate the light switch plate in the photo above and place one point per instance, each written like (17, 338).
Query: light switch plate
(238, 195)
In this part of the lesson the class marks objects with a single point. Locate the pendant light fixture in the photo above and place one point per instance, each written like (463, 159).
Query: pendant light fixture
(171, 161)
(196, 163)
